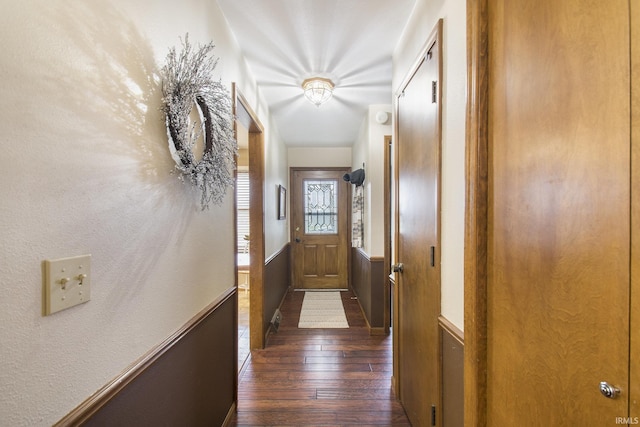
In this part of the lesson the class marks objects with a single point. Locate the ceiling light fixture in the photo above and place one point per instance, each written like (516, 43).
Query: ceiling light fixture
(318, 90)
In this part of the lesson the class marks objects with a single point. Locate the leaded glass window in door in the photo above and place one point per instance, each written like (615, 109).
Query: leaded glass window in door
(320, 206)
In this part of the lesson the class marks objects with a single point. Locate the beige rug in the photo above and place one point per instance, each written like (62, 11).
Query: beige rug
(322, 310)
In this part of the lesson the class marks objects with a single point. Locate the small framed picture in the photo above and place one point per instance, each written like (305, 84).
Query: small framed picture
(282, 202)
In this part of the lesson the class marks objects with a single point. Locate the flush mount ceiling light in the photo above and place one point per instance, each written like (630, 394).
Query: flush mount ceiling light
(318, 90)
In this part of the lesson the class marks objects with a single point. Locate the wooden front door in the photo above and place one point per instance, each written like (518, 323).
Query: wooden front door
(320, 228)
(558, 283)
(418, 242)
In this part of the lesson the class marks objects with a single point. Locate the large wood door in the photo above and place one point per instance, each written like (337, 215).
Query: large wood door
(418, 240)
(320, 228)
(559, 212)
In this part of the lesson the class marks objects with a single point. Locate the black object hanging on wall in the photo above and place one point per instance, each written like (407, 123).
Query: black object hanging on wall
(356, 177)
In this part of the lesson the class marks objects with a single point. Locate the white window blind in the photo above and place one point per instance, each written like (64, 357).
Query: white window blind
(242, 196)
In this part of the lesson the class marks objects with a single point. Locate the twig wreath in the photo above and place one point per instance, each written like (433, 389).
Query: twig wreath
(188, 84)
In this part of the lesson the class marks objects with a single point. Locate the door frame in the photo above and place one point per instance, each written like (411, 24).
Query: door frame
(476, 215)
(292, 226)
(243, 113)
(388, 238)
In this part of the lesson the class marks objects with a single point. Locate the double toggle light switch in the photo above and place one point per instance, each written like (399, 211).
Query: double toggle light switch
(67, 282)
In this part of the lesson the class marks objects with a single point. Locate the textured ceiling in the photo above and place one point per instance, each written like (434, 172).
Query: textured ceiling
(349, 41)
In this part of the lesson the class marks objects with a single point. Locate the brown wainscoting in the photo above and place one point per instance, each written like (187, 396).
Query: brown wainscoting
(452, 350)
(189, 379)
(368, 284)
(277, 280)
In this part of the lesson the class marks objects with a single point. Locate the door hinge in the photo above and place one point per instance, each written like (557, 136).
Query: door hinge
(432, 256)
(434, 92)
(433, 415)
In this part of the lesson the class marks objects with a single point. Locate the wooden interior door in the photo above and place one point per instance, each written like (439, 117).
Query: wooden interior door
(418, 239)
(559, 212)
(320, 229)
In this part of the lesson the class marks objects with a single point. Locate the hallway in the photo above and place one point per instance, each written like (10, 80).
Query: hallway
(305, 377)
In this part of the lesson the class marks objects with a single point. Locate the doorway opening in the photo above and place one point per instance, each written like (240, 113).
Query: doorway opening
(250, 257)
(243, 239)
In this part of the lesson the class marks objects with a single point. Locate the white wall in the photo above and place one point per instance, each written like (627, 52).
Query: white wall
(369, 149)
(85, 168)
(276, 173)
(423, 21)
(303, 157)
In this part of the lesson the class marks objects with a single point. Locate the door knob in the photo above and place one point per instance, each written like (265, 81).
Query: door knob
(298, 240)
(608, 390)
(398, 268)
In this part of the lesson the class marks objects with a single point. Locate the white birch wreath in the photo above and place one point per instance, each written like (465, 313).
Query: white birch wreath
(188, 85)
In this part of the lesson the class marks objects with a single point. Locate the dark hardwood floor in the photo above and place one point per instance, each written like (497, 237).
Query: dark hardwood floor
(319, 377)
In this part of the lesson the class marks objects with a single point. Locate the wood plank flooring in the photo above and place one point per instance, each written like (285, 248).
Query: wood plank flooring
(319, 377)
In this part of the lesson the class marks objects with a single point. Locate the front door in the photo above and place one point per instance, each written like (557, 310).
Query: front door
(320, 228)
(418, 229)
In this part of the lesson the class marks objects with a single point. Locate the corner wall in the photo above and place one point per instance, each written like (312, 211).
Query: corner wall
(369, 149)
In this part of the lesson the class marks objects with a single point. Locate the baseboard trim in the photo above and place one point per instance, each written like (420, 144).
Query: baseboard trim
(230, 415)
(372, 330)
(378, 331)
(83, 412)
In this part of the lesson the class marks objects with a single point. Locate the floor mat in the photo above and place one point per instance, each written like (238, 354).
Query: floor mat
(322, 310)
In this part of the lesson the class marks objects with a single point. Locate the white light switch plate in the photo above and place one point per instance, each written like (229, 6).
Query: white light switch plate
(67, 282)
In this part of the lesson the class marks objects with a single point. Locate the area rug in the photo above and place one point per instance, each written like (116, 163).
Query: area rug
(322, 310)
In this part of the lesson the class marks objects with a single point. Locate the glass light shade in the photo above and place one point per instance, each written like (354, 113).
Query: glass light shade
(318, 90)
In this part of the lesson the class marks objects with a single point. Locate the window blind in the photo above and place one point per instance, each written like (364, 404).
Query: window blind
(242, 197)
